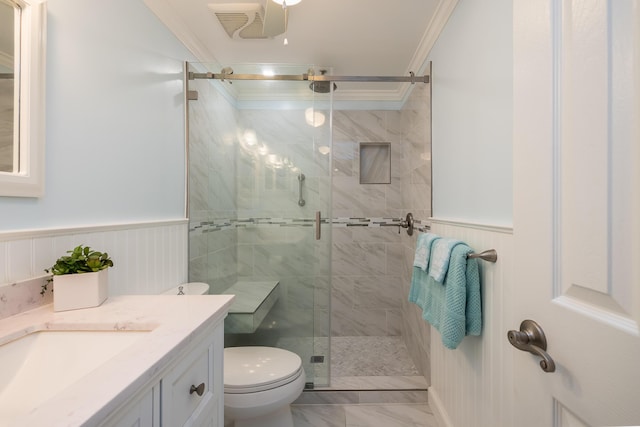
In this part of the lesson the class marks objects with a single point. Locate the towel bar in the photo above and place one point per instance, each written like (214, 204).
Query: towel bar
(489, 255)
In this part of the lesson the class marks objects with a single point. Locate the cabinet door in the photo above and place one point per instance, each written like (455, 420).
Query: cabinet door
(140, 414)
(189, 393)
(206, 415)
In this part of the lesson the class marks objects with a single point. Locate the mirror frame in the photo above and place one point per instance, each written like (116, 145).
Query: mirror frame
(29, 181)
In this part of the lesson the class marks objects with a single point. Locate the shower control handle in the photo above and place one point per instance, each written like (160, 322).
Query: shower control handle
(407, 223)
(318, 223)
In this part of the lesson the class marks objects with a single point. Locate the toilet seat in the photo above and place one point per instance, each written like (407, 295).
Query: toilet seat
(255, 369)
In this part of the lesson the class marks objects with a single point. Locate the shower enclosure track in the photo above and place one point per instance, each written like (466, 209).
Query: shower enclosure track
(412, 78)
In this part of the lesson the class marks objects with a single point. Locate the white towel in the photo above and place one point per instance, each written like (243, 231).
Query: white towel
(423, 249)
(440, 255)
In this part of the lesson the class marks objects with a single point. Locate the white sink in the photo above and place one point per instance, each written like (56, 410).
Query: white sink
(41, 364)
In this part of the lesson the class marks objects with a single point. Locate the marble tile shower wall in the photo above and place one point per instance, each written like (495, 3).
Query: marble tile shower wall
(212, 187)
(275, 147)
(369, 264)
(283, 246)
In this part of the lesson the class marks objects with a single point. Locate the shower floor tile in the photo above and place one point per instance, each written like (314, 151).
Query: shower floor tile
(370, 357)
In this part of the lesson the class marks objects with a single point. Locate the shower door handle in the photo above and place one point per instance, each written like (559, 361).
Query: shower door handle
(318, 223)
(301, 201)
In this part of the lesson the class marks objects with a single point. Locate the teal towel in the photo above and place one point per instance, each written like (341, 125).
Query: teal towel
(423, 250)
(440, 255)
(454, 307)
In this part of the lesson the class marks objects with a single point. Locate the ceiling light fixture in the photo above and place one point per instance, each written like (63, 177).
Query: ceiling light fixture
(285, 3)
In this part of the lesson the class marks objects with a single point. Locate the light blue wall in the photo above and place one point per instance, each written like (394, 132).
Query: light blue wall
(115, 125)
(472, 114)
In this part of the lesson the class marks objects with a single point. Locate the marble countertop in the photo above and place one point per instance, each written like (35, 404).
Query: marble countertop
(174, 321)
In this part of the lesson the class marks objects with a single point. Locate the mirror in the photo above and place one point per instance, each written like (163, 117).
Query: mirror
(8, 16)
(22, 53)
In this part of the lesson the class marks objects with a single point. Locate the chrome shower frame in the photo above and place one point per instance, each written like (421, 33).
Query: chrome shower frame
(227, 74)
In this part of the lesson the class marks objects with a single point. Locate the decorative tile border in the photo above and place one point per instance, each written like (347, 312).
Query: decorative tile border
(229, 224)
(376, 222)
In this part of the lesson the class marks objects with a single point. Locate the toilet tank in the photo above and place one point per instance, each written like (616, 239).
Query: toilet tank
(192, 288)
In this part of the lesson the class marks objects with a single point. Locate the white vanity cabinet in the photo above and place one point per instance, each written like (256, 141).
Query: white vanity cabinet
(192, 393)
(140, 413)
(188, 392)
(162, 364)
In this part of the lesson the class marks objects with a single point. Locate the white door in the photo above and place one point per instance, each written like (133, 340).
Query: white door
(577, 209)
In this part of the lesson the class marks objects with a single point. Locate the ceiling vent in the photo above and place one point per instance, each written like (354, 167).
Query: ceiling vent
(250, 20)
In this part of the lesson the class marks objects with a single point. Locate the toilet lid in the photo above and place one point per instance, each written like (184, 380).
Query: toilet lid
(251, 369)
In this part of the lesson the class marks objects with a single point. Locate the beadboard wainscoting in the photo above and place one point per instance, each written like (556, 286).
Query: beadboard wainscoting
(148, 258)
(470, 386)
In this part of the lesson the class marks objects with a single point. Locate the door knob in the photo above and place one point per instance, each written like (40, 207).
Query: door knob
(531, 338)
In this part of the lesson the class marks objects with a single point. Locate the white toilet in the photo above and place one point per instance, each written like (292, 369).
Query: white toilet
(259, 385)
(259, 382)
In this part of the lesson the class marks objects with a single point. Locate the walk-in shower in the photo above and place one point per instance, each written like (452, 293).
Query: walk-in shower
(260, 201)
(259, 175)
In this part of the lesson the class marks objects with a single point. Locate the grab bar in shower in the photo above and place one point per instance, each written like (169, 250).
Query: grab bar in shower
(301, 201)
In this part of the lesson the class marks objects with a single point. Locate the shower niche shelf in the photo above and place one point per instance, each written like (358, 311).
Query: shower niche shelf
(253, 302)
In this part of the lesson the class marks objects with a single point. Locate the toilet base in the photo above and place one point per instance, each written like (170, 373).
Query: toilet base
(279, 418)
(259, 406)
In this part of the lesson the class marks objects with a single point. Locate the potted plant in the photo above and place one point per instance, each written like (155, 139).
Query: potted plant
(80, 279)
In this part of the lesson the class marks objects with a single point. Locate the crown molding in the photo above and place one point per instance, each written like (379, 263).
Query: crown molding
(169, 17)
(438, 21)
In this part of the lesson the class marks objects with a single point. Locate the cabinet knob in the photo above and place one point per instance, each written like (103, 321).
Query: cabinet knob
(199, 389)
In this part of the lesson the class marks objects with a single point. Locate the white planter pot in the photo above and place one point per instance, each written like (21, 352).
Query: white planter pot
(74, 291)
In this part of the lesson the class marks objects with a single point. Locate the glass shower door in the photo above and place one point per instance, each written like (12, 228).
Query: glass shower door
(259, 176)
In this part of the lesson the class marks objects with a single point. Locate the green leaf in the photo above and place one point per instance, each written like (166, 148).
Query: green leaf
(81, 260)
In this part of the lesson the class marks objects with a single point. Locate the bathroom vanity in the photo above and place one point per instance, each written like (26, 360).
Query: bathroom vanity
(136, 360)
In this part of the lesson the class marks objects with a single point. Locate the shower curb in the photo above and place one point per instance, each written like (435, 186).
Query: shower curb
(352, 397)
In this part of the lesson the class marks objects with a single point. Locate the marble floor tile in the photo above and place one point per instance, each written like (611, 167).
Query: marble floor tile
(389, 416)
(318, 415)
(363, 415)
